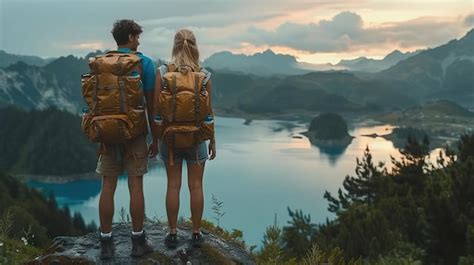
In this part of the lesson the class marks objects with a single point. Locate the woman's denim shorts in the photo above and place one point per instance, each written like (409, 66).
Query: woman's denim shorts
(188, 154)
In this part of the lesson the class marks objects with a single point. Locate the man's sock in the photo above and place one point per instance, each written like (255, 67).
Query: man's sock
(109, 234)
(137, 233)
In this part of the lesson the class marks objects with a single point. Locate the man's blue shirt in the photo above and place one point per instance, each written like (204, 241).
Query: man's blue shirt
(148, 68)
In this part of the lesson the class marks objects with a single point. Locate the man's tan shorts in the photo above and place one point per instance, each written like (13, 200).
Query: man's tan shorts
(131, 157)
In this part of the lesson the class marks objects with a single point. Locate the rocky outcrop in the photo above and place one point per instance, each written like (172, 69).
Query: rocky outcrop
(86, 249)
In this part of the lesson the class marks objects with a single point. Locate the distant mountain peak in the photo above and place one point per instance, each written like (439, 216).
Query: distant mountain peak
(356, 60)
(223, 53)
(95, 53)
(261, 63)
(365, 64)
(469, 35)
(65, 60)
(395, 53)
(7, 59)
(269, 51)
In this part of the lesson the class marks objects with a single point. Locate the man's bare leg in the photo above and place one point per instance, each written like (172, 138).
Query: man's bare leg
(137, 202)
(106, 203)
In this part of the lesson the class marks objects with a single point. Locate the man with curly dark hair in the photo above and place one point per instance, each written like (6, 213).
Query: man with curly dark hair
(131, 157)
(123, 29)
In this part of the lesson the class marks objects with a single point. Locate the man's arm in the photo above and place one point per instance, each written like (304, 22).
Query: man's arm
(148, 81)
(149, 96)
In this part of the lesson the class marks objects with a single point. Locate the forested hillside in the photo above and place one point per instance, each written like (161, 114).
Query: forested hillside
(44, 142)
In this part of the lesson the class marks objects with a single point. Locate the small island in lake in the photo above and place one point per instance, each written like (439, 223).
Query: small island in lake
(328, 130)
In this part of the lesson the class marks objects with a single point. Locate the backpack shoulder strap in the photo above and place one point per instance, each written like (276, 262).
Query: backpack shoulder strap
(171, 67)
(163, 69)
(110, 52)
(208, 76)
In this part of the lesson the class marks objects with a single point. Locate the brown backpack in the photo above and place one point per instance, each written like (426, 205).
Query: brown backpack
(114, 96)
(184, 105)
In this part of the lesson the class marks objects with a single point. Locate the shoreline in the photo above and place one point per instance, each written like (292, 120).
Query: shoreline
(57, 179)
(300, 117)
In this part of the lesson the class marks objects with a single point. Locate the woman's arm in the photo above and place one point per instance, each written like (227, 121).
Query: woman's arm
(212, 143)
(209, 90)
(154, 95)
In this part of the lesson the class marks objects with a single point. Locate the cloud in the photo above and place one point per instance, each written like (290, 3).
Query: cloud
(347, 32)
(469, 20)
(303, 26)
(88, 46)
(327, 35)
(206, 20)
(158, 41)
(425, 31)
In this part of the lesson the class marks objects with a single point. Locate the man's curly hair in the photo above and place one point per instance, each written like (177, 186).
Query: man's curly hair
(122, 28)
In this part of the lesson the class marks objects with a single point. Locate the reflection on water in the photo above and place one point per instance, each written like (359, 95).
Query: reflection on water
(333, 153)
(258, 173)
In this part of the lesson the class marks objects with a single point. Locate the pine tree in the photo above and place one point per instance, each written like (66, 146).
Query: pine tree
(299, 234)
(368, 183)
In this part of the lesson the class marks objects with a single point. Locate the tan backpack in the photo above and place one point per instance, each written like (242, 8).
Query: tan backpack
(184, 105)
(114, 96)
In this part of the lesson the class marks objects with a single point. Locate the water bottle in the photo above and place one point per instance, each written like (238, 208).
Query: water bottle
(209, 119)
(85, 111)
(135, 74)
(158, 120)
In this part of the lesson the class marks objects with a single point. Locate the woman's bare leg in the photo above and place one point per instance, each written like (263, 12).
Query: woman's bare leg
(172, 194)
(195, 176)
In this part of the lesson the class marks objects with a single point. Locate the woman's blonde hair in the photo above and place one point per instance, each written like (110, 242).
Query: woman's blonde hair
(185, 50)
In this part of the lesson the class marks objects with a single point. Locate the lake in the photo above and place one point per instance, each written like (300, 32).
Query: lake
(260, 170)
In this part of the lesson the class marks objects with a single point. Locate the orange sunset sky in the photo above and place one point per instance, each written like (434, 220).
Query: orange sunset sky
(313, 31)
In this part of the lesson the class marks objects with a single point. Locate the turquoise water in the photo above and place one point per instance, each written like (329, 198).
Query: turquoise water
(260, 170)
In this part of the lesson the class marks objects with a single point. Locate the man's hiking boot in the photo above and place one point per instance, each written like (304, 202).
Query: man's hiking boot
(197, 239)
(171, 240)
(106, 247)
(140, 245)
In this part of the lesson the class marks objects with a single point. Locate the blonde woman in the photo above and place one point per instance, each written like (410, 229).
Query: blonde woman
(185, 54)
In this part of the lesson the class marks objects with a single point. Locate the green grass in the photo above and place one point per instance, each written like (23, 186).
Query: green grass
(14, 251)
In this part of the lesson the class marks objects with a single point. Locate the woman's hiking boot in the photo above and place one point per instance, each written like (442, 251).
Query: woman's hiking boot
(140, 245)
(197, 239)
(171, 240)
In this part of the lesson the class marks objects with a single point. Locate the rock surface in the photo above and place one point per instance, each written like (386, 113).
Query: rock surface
(86, 249)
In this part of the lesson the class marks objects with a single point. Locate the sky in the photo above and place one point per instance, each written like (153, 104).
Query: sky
(317, 31)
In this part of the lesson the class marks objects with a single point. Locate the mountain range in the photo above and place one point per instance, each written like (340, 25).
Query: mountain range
(264, 63)
(444, 72)
(268, 63)
(364, 64)
(7, 59)
(55, 84)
